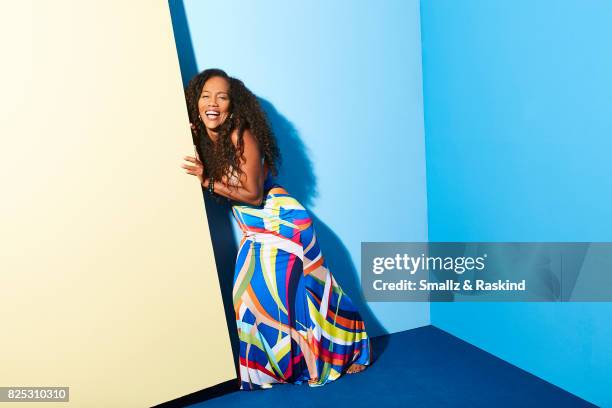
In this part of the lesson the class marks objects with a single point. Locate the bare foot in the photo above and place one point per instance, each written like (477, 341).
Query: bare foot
(355, 368)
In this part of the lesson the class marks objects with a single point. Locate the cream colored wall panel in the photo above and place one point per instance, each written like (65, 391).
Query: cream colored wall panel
(108, 282)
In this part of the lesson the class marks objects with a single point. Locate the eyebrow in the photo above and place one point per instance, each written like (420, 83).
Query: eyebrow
(221, 92)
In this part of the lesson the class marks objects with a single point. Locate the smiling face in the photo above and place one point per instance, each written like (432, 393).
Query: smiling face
(214, 102)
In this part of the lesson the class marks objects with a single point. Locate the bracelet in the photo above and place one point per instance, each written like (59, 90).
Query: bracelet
(211, 185)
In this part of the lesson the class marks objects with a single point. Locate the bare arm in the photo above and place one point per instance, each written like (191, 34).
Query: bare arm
(249, 188)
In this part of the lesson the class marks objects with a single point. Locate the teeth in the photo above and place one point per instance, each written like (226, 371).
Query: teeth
(212, 113)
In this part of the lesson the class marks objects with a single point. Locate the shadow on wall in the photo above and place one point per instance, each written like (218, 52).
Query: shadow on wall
(296, 174)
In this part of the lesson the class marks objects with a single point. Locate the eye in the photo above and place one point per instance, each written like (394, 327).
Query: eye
(204, 96)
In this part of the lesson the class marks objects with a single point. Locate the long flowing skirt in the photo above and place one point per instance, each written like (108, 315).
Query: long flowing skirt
(295, 323)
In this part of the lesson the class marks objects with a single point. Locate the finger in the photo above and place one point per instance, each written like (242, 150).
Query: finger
(186, 166)
(193, 160)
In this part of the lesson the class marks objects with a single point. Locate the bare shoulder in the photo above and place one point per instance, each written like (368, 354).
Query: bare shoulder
(251, 152)
(247, 137)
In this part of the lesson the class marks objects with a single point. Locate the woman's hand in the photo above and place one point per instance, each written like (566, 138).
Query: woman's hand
(197, 169)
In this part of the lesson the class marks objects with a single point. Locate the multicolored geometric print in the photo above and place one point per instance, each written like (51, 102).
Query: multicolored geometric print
(295, 323)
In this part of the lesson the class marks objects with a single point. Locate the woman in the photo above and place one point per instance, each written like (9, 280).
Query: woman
(295, 323)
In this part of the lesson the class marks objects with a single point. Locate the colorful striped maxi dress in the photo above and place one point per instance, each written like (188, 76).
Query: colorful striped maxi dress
(295, 324)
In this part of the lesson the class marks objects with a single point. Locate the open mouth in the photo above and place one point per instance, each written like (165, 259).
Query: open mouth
(210, 114)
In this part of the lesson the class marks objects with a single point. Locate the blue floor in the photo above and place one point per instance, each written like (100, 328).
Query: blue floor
(423, 367)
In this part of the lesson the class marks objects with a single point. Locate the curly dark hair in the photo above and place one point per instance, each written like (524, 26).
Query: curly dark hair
(246, 113)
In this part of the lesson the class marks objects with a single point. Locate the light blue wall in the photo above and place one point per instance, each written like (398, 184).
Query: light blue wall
(518, 119)
(341, 81)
